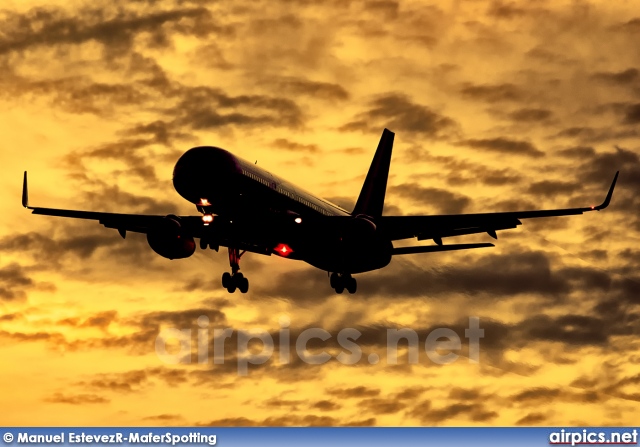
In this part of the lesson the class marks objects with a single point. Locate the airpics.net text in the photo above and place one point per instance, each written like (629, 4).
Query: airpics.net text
(257, 346)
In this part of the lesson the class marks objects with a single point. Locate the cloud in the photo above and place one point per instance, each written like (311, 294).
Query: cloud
(115, 30)
(326, 405)
(552, 188)
(292, 420)
(400, 114)
(532, 419)
(504, 146)
(624, 77)
(530, 115)
(318, 90)
(444, 201)
(460, 411)
(289, 145)
(355, 392)
(632, 114)
(382, 406)
(492, 93)
(76, 399)
(15, 282)
(202, 108)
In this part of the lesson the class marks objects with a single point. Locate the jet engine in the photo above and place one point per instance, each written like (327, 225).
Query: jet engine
(169, 241)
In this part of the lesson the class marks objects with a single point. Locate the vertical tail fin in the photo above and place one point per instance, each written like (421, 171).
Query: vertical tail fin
(371, 198)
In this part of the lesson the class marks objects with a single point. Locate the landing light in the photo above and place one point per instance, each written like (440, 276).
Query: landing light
(204, 202)
(298, 220)
(207, 219)
(283, 250)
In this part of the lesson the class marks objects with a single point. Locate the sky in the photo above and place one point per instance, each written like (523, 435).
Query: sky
(496, 106)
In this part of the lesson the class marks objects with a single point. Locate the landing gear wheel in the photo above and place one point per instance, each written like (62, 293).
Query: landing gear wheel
(231, 288)
(203, 243)
(351, 284)
(226, 280)
(243, 285)
(340, 282)
(334, 279)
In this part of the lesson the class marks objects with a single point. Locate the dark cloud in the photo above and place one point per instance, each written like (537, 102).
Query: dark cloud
(444, 201)
(318, 90)
(618, 78)
(380, 406)
(101, 320)
(134, 381)
(532, 419)
(503, 276)
(568, 329)
(125, 201)
(504, 146)
(13, 282)
(464, 172)
(552, 188)
(76, 399)
(542, 394)
(492, 93)
(164, 418)
(355, 392)
(530, 115)
(292, 420)
(632, 114)
(161, 132)
(125, 152)
(326, 405)
(590, 135)
(464, 411)
(385, 8)
(504, 10)
(115, 30)
(288, 145)
(201, 108)
(400, 114)
(578, 152)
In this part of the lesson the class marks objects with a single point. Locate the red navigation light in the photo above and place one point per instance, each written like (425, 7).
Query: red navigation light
(283, 250)
(207, 219)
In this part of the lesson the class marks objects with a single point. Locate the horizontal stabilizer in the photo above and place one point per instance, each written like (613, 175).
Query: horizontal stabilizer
(435, 248)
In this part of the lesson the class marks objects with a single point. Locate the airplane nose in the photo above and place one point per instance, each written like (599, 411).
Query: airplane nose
(203, 171)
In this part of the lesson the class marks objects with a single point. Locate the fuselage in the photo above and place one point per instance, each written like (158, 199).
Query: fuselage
(264, 209)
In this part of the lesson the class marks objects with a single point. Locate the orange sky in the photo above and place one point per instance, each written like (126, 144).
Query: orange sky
(496, 106)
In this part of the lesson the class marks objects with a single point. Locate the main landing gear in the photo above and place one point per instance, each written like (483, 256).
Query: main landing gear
(235, 279)
(339, 282)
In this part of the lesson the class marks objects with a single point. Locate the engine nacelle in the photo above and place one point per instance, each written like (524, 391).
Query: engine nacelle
(169, 241)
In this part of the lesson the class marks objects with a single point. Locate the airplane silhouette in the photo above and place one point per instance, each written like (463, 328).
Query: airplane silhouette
(247, 209)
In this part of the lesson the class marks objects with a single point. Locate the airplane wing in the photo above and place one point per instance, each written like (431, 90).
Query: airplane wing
(438, 226)
(143, 223)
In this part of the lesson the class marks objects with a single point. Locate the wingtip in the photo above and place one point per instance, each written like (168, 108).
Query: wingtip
(607, 200)
(25, 191)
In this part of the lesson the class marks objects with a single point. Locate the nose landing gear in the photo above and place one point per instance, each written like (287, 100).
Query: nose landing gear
(235, 279)
(339, 282)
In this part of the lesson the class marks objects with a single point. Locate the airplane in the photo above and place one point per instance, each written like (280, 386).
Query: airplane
(247, 209)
